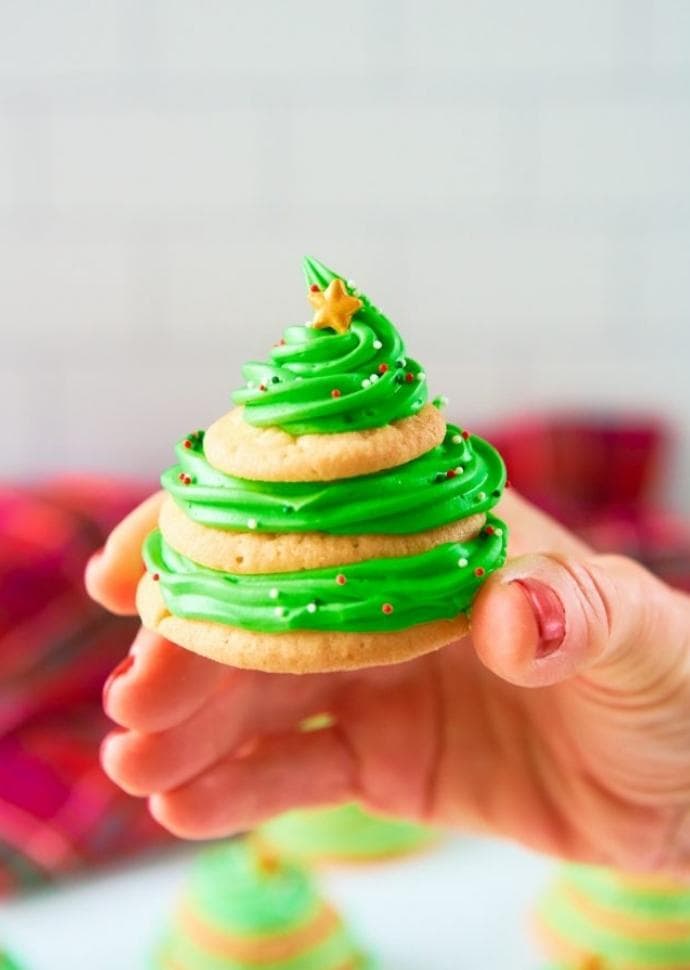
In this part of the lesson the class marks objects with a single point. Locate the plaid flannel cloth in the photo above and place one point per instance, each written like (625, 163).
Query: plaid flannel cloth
(601, 478)
(58, 811)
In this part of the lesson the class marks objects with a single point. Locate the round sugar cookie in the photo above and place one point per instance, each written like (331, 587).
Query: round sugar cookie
(298, 652)
(257, 552)
(235, 447)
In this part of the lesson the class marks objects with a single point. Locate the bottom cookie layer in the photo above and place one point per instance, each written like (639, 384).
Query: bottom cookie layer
(299, 652)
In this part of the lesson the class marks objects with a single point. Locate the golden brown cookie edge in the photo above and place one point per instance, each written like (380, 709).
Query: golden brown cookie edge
(297, 652)
(235, 447)
(256, 552)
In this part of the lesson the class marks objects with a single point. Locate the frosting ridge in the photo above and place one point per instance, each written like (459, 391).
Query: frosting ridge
(318, 381)
(460, 477)
(372, 595)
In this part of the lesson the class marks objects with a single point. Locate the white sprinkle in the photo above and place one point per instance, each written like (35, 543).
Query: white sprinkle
(280, 611)
(311, 607)
(459, 470)
(498, 532)
(443, 401)
(480, 496)
(366, 382)
(351, 284)
(457, 439)
(373, 378)
(377, 345)
(421, 376)
(252, 523)
(462, 562)
(273, 593)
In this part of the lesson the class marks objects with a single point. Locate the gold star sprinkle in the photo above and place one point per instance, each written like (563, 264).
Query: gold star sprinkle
(334, 307)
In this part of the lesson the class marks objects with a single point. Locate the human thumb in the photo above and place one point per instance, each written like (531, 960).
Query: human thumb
(546, 618)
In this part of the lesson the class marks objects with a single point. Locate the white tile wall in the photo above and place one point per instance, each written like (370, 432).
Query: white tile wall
(154, 159)
(529, 39)
(509, 180)
(617, 153)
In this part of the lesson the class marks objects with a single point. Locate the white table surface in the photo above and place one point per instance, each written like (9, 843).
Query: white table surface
(462, 906)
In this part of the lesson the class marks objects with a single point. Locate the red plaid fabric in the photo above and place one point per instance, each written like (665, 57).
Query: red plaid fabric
(601, 477)
(58, 811)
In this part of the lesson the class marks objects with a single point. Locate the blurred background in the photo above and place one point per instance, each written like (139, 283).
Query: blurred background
(510, 181)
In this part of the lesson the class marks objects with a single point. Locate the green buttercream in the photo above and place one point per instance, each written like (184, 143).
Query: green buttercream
(230, 890)
(605, 887)
(346, 831)
(437, 584)
(410, 498)
(7, 963)
(568, 923)
(293, 389)
(331, 954)
(230, 893)
(611, 892)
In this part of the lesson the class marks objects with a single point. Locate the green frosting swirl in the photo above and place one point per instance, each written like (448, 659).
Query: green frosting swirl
(230, 894)
(610, 894)
(228, 887)
(366, 367)
(411, 498)
(343, 832)
(437, 584)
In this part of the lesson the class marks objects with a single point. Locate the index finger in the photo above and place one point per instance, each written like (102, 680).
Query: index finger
(113, 572)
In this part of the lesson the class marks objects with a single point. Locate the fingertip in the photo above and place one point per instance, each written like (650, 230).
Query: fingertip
(109, 754)
(161, 685)
(115, 595)
(172, 813)
(504, 631)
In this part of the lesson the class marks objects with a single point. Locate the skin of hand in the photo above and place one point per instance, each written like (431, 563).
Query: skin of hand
(563, 721)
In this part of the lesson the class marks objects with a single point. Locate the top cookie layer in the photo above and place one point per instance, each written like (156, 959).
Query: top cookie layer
(271, 455)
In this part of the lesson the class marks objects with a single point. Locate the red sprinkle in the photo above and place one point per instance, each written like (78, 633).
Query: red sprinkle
(341, 579)
(409, 377)
(186, 479)
(387, 608)
(314, 288)
(181, 476)
(187, 443)
(335, 392)
(489, 531)
(451, 473)
(262, 387)
(479, 571)
(465, 435)
(383, 368)
(155, 577)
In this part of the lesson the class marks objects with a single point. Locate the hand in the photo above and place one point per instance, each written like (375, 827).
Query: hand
(562, 722)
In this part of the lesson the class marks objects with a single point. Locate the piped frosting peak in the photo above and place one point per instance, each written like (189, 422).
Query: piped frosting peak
(346, 370)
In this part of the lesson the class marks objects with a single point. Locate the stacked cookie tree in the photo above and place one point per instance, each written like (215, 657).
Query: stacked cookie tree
(599, 919)
(343, 834)
(243, 910)
(331, 519)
